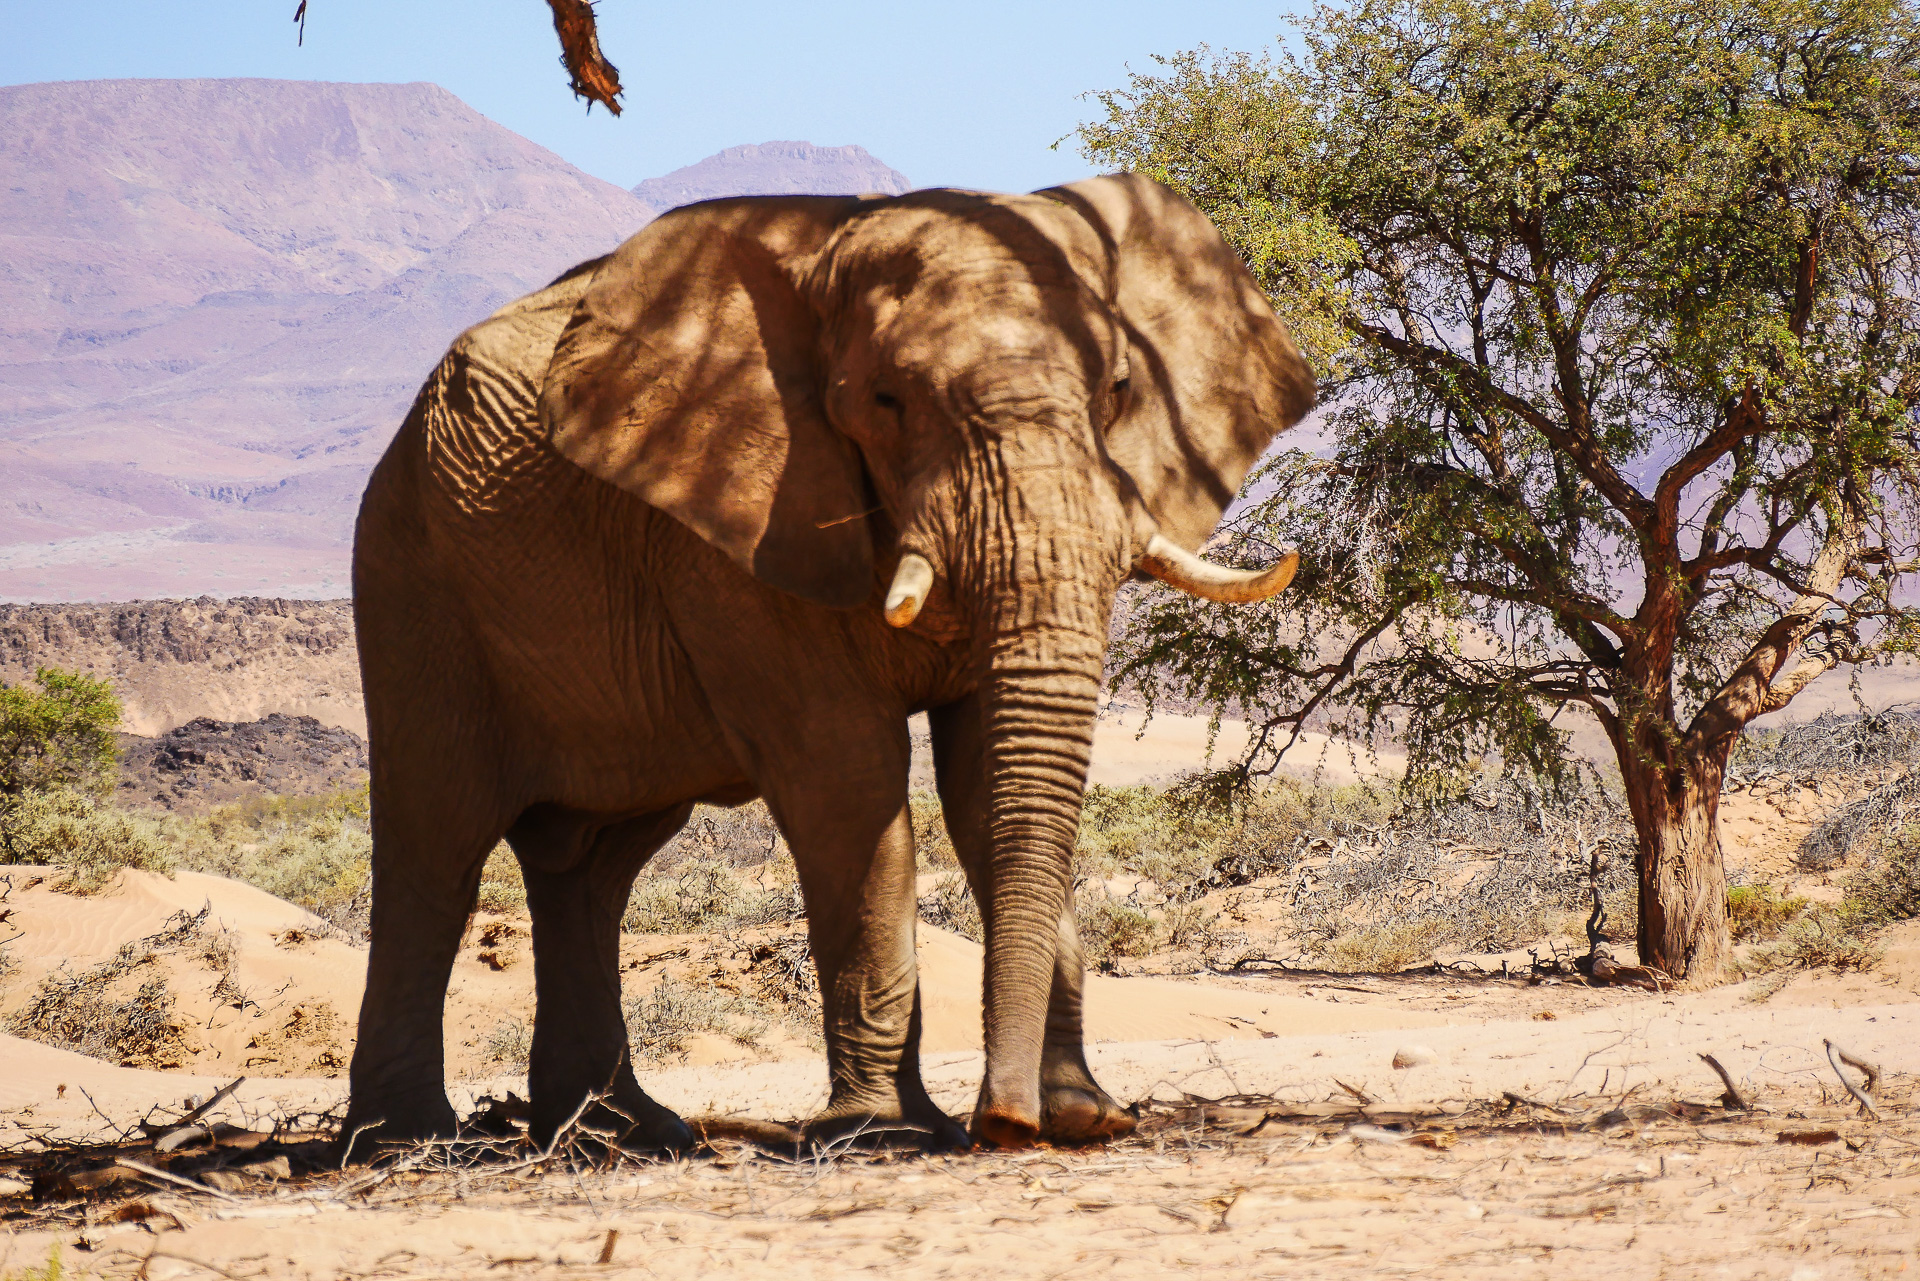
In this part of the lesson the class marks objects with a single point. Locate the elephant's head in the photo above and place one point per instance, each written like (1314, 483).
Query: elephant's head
(1000, 404)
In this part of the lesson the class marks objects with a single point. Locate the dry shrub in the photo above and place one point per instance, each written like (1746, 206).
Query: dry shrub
(703, 897)
(1843, 936)
(1111, 929)
(502, 889)
(1826, 938)
(1887, 888)
(88, 841)
(663, 1023)
(101, 1012)
(1381, 949)
(313, 851)
(510, 1043)
(1760, 912)
(740, 836)
(781, 970)
(949, 905)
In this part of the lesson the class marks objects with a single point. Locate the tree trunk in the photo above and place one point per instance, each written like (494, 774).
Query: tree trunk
(1683, 883)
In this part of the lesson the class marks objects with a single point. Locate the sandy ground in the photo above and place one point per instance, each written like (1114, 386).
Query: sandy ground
(1462, 1191)
(1288, 1172)
(1430, 1177)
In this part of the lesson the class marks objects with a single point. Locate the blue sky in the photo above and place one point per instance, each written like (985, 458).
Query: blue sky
(964, 95)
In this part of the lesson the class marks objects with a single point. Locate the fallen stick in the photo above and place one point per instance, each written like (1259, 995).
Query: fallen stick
(1731, 1099)
(1836, 1056)
(1358, 1094)
(152, 1173)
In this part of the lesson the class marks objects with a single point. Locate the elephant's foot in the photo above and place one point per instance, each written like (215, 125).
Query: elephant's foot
(627, 1119)
(1072, 1114)
(887, 1122)
(1073, 1107)
(374, 1123)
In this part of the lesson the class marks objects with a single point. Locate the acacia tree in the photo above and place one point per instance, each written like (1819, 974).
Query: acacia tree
(1615, 302)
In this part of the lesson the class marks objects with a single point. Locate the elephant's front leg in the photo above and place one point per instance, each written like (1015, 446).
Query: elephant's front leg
(1073, 1107)
(858, 876)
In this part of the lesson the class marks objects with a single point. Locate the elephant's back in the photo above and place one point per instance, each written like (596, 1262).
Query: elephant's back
(478, 415)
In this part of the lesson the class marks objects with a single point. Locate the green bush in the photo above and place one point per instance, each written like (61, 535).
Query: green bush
(1111, 929)
(315, 852)
(87, 840)
(1757, 912)
(59, 736)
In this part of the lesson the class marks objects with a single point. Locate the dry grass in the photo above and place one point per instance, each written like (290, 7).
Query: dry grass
(109, 1011)
(87, 840)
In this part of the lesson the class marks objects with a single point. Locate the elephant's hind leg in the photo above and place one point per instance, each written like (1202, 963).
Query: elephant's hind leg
(427, 860)
(580, 1043)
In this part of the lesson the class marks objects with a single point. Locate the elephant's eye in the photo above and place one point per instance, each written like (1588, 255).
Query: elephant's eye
(885, 400)
(1121, 386)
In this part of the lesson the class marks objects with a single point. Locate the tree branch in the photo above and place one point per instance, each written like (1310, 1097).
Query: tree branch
(594, 78)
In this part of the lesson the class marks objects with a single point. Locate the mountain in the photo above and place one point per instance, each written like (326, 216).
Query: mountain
(773, 169)
(217, 298)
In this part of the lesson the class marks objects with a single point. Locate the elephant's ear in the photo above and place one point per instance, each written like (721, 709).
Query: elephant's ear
(1213, 376)
(689, 376)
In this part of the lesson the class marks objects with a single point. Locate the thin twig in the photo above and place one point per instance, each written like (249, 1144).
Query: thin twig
(1732, 1098)
(1836, 1056)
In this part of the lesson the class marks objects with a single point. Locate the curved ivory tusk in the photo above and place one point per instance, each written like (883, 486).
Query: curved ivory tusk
(1177, 567)
(911, 584)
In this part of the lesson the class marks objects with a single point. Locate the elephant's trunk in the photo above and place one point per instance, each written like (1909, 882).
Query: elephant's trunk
(1036, 552)
(1039, 708)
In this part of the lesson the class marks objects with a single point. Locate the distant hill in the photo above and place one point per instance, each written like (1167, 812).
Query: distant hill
(773, 169)
(217, 298)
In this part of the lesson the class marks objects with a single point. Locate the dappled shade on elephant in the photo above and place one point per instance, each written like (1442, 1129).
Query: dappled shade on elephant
(708, 519)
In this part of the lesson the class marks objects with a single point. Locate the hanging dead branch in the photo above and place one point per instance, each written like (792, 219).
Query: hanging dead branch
(594, 78)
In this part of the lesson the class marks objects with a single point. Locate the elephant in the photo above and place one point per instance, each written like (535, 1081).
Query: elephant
(710, 518)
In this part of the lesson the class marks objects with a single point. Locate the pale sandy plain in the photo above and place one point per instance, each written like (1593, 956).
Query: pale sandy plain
(1461, 1189)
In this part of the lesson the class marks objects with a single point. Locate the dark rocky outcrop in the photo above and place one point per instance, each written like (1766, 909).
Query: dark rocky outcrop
(208, 762)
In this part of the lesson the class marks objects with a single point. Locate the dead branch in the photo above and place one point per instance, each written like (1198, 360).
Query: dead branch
(1836, 1056)
(1731, 1099)
(594, 78)
(162, 1175)
(1358, 1094)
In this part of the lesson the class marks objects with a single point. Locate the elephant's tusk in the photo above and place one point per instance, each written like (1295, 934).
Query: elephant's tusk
(1178, 567)
(911, 584)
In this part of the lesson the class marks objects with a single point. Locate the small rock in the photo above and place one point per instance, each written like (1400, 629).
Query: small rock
(1546, 1016)
(1408, 1056)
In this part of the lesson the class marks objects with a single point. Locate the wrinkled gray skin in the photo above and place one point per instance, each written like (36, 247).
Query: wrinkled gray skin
(629, 553)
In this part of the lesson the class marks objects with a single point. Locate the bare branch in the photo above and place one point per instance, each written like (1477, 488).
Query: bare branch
(594, 78)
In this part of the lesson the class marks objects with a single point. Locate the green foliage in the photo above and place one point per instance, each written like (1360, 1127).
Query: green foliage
(1112, 928)
(87, 839)
(313, 851)
(1614, 300)
(1758, 912)
(59, 736)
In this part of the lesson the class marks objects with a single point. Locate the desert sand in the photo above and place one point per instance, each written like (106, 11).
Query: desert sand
(1429, 1177)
